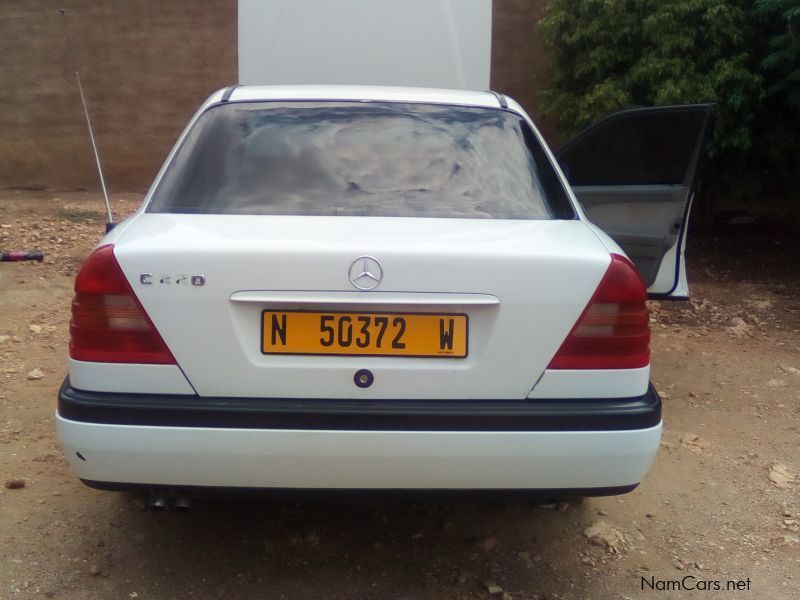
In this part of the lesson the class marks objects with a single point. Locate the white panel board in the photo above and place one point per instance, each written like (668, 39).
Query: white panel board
(424, 43)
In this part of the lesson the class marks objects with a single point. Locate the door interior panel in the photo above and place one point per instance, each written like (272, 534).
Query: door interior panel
(634, 173)
(644, 220)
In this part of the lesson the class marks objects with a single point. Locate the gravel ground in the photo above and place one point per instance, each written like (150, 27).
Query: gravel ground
(720, 505)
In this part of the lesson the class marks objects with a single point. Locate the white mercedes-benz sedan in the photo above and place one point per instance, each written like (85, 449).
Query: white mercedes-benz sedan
(336, 288)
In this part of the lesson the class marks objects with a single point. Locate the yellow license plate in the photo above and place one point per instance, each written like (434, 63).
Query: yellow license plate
(364, 334)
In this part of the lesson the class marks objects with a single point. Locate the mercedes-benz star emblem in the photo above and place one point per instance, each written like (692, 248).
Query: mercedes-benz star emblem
(366, 273)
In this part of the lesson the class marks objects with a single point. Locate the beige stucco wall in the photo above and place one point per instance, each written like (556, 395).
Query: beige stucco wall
(146, 65)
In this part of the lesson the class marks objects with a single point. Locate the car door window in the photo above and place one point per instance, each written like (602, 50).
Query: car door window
(649, 148)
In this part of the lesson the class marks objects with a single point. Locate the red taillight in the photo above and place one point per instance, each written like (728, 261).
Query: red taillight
(614, 330)
(108, 323)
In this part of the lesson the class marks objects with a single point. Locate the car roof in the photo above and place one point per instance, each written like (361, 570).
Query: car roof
(360, 92)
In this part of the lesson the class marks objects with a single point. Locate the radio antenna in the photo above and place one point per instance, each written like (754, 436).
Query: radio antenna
(68, 39)
(110, 223)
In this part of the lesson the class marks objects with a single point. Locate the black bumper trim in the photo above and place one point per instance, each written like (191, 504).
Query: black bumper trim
(596, 414)
(377, 494)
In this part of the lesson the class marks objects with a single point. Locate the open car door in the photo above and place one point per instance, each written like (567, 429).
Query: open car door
(635, 174)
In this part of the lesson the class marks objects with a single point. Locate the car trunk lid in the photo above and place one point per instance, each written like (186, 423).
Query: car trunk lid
(207, 281)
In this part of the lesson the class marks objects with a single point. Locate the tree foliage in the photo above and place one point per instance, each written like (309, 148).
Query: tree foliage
(781, 62)
(613, 54)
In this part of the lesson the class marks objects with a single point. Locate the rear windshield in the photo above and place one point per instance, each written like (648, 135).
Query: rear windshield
(361, 159)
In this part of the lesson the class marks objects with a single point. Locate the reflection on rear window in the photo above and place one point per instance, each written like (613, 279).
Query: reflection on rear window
(361, 159)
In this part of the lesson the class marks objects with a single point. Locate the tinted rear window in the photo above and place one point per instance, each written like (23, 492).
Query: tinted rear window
(361, 159)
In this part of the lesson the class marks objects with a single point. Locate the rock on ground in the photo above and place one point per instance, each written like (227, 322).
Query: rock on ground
(780, 476)
(602, 534)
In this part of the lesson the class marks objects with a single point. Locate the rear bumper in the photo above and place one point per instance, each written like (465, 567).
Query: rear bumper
(538, 414)
(314, 444)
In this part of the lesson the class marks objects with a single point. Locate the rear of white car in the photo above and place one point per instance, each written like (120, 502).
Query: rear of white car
(360, 288)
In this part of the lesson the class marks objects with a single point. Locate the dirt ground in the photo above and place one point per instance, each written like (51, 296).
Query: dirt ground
(722, 502)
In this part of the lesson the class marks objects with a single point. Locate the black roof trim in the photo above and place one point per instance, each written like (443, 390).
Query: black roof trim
(228, 93)
(500, 98)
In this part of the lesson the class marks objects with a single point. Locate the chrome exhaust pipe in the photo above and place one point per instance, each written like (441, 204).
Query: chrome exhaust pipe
(169, 498)
(182, 502)
(158, 500)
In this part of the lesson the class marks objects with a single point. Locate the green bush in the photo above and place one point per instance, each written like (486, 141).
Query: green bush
(607, 55)
(777, 133)
(781, 61)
